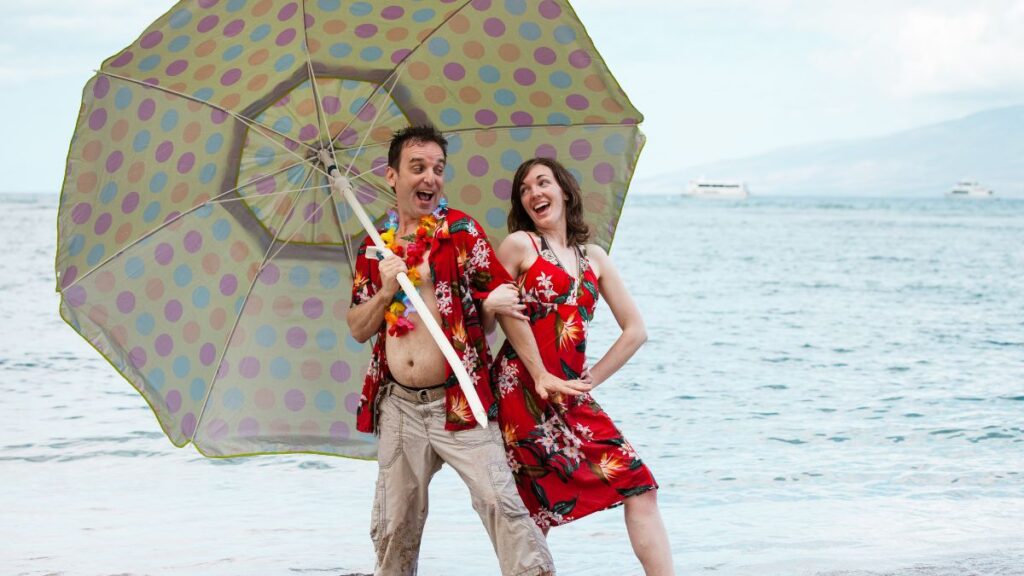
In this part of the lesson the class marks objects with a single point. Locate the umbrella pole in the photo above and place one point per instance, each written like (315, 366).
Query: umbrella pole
(341, 186)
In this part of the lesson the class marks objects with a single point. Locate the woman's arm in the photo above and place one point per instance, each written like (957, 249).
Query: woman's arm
(626, 313)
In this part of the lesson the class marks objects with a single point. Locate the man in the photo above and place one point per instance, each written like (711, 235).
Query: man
(410, 396)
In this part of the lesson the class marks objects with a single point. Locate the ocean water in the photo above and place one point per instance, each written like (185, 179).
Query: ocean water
(830, 387)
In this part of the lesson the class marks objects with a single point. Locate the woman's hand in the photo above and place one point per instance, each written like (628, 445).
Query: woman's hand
(504, 300)
(586, 378)
(549, 385)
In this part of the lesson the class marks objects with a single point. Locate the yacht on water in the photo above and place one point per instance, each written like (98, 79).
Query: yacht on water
(969, 189)
(716, 189)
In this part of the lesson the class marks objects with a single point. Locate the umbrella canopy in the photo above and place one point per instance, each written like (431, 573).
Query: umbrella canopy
(199, 247)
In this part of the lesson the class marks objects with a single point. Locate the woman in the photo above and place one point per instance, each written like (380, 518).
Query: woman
(568, 457)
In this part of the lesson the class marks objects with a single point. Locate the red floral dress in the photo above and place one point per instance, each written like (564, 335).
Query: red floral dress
(568, 458)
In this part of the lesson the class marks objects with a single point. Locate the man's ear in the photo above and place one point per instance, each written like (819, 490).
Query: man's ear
(391, 176)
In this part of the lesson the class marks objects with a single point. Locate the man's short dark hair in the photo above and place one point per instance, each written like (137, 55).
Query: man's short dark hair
(422, 133)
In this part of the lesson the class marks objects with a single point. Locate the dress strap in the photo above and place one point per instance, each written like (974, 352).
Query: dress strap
(534, 242)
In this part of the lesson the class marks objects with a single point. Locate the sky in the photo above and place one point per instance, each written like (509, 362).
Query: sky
(715, 79)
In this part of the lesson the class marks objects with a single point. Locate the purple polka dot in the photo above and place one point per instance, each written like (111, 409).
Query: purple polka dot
(173, 215)
(207, 353)
(207, 4)
(152, 39)
(188, 424)
(125, 302)
(603, 173)
(544, 55)
(482, 5)
(151, 81)
(223, 370)
(313, 308)
(580, 149)
(248, 427)
(228, 284)
(102, 85)
(549, 10)
(454, 71)
(579, 59)
(494, 27)
(287, 11)
(577, 102)
(285, 37)
(312, 212)
(164, 151)
(173, 401)
(208, 23)
(399, 55)
(177, 67)
(217, 429)
(546, 151)
(341, 371)
(367, 113)
(296, 337)
(348, 137)
(249, 367)
(270, 275)
(137, 356)
(114, 161)
(98, 118)
(340, 430)
(521, 118)
(366, 30)
(524, 76)
(234, 28)
(69, 276)
(331, 104)
(81, 212)
(122, 60)
(486, 117)
(308, 132)
(163, 253)
(218, 116)
(164, 345)
(193, 241)
(352, 403)
(265, 184)
(477, 165)
(103, 223)
(230, 77)
(173, 310)
(130, 202)
(392, 13)
(186, 162)
(75, 296)
(294, 399)
(308, 21)
(146, 109)
(502, 189)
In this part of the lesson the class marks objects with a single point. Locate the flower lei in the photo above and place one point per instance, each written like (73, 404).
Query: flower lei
(397, 313)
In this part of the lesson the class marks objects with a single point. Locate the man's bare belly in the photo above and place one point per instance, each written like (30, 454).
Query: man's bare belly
(414, 359)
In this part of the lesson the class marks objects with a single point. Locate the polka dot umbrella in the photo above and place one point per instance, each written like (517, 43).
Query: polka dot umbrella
(200, 249)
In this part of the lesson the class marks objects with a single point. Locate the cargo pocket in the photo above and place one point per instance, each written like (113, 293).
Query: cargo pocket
(389, 445)
(377, 516)
(505, 490)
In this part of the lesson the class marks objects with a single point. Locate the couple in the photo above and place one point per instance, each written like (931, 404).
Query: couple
(554, 456)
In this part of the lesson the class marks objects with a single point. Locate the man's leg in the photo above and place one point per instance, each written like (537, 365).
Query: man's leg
(479, 458)
(406, 463)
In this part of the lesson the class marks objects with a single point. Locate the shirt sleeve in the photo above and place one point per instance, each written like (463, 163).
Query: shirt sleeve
(366, 277)
(485, 272)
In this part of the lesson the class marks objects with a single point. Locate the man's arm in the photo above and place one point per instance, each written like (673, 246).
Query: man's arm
(364, 319)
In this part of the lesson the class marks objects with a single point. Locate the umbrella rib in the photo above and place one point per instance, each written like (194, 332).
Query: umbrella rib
(238, 318)
(321, 118)
(512, 126)
(215, 199)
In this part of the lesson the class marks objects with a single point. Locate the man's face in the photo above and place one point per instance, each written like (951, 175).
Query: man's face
(419, 180)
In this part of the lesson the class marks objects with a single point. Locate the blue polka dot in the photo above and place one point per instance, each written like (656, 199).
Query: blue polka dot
(520, 134)
(264, 155)
(299, 276)
(449, 173)
(145, 323)
(197, 390)
(489, 74)
(179, 19)
(324, 401)
(95, 255)
(178, 44)
(454, 144)
(203, 94)
(149, 62)
(515, 7)
(371, 54)
(208, 172)
(558, 118)
(108, 193)
(213, 143)
(204, 211)
(236, 5)
(438, 46)
(565, 35)
(280, 368)
(181, 366)
(233, 52)
(510, 160)
(284, 63)
(221, 229)
(450, 117)
(233, 398)
(296, 174)
(123, 98)
(329, 5)
(352, 345)
(576, 174)
(560, 79)
(360, 9)
(505, 97)
(156, 378)
(151, 213)
(239, 304)
(183, 275)
(169, 120)
(135, 267)
(423, 15)
(266, 336)
(529, 31)
(141, 141)
(260, 32)
(326, 339)
(496, 217)
(158, 182)
(615, 144)
(340, 50)
(329, 278)
(201, 297)
(76, 245)
(356, 105)
(283, 125)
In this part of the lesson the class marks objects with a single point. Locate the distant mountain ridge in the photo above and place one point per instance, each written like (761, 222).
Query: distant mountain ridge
(987, 146)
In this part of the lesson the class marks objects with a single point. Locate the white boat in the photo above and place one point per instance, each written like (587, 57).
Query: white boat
(969, 189)
(717, 189)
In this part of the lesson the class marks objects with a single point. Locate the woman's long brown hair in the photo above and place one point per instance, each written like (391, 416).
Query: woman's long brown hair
(576, 229)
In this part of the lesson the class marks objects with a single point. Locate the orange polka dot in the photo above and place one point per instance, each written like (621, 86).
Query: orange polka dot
(211, 263)
(136, 171)
(324, 238)
(594, 119)
(311, 369)
(540, 99)
(239, 251)
(217, 318)
(595, 202)
(595, 83)
(231, 100)
(178, 87)
(339, 309)
(486, 138)
(459, 24)
(314, 45)
(334, 26)
(419, 71)
(380, 134)
(509, 52)
(190, 333)
(471, 194)
(86, 183)
(124, 232)
(119, 130)
(397, 34)
(257, 82)
(306, 107)
(176, 224)
(192, 132)
(98, 314)
(283, 306)
(91, 151)
(336, 126)
(179, 192)
(435, 94)
(155, 288)
(204, 72)
(105, 281)
(469, 95)
(611, 106)
(200, 199)
(283, 207)
(259, 57)
(240, 336)
(120, 335)
(252, 271)
(254, 305)
(422, 35)
(193, 106)
(473, 49)
(206, 48)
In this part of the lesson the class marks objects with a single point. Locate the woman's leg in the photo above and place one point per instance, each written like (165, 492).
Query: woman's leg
(647, 534)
